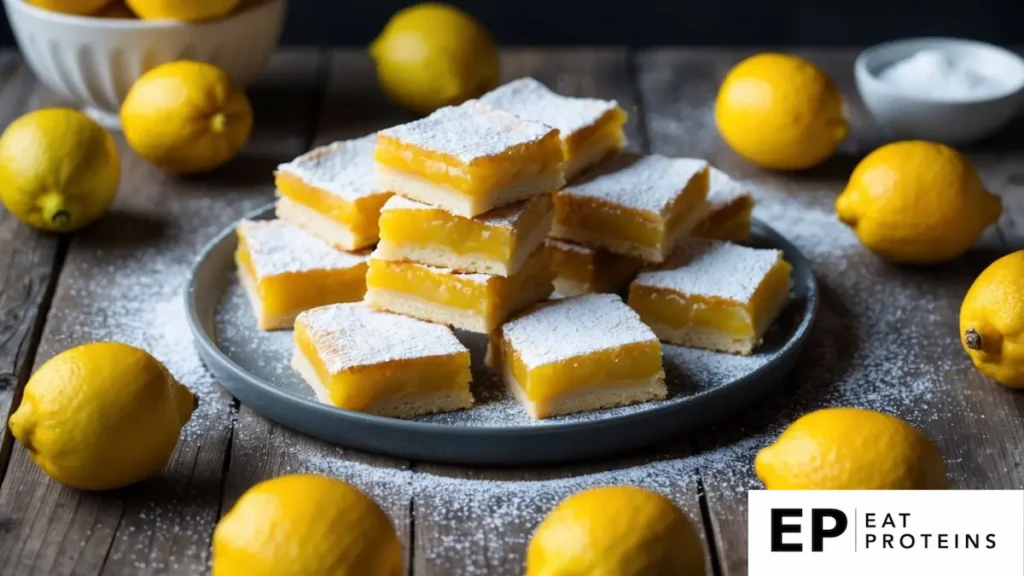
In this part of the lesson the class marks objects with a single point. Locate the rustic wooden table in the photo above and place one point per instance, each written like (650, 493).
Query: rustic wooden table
(886, 337)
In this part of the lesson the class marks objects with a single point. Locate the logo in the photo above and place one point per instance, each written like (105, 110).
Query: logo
(886, 532)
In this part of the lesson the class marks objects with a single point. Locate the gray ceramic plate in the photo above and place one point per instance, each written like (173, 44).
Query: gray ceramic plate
(703, 386)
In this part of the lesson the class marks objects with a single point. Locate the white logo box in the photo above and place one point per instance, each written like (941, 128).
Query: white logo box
(954, 532)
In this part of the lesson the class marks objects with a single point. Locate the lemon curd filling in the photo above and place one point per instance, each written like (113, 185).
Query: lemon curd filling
(580, 270)
(578, 354)
(634, 205)
(497, 242)
(729, 210)
(475, 302)
(369, 361)
(285, 271)
(720, 296)
(360, 217)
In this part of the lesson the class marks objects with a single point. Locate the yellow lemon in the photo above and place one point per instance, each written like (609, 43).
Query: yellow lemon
(59, 170)
(432, 55)
(185, 10)
(304, 524)
(780, 112)
(851, 449)
(992, 321)
(101, 416)
(186, 117)
(80, 7)
(117, 9)
(615, 531)
(917, 202)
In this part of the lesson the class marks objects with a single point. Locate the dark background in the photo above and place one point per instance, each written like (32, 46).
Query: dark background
(691, 22)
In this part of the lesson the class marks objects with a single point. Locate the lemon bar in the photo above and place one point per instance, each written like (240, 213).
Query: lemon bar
(634, 205)
(470, 159)
(591, 129)
(498, 242)
(578, 354)
(730, 206)
(360, 359)
(332, 192)
(285, 270)
(473, 302)
(714, 295)
(581, 270)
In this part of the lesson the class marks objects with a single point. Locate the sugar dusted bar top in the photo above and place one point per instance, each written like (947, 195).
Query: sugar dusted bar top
(344, 169)
(469, 159)
(591, 128)
(276, 247)
(350, 336)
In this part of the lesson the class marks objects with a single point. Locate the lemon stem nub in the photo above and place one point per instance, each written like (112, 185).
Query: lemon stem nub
(973, 339)
(195, 401)
(60, 219)
(218, 123)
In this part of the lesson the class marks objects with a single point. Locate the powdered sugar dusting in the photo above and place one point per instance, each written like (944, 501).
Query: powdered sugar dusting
(715, 269)
(529, 99)
(468, 132)
(723, 190)
(648, 183)
(574, 327)
(504, 217)
(345, 169)
(351, 335)
(279, 247)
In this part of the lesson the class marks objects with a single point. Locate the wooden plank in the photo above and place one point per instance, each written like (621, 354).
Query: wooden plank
(478, 521)
(123, 281)
(350, 106)
(886, 336)
(29, 262)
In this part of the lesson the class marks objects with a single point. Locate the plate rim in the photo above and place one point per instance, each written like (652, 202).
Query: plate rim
(207, 344)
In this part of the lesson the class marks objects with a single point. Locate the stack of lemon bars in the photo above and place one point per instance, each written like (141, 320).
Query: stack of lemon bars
(518, 216)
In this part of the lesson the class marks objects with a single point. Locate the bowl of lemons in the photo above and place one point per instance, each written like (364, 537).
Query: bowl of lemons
(91, 52)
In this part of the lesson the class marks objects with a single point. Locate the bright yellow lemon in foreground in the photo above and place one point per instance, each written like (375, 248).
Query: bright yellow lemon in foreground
(185, 10)
(851, 449)
(186, 117)
(101, 416)
(432, 55)
(615, 531)
(992, 321)
(304, 524)
(917, 202)
(780, 112)
(59, 170)
(80, 7)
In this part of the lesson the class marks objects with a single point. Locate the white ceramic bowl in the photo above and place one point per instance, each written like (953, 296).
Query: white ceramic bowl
(936, 116)
(94, 61)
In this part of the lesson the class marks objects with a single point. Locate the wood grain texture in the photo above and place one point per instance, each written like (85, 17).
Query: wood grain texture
(887, 335)
(123, 281)
(29, 263)
(477, 521)
(349, 105)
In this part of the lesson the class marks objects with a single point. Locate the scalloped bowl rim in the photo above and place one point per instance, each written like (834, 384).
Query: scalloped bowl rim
(94, 22)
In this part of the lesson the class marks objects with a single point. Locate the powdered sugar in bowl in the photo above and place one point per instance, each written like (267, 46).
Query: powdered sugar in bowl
(943, 89)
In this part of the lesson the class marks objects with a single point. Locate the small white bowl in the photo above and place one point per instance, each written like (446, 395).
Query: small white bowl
(936, 117)
(94, 61)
